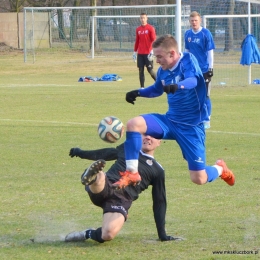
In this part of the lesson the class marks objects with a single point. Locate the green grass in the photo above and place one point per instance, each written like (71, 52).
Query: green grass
(45, 111)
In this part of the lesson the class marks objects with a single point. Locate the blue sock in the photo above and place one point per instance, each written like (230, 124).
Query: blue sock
(133, 145)
(212, 173)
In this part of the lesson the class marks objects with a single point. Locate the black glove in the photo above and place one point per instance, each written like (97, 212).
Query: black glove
(170, 88)
(210, 73)
(170, 238)
(74, 152)
(131, 96)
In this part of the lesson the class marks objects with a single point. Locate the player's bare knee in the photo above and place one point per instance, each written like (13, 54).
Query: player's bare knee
(131, 124)
(198, 178)
(108, 235)
(198, 181)
(136, 124)
(100, 178)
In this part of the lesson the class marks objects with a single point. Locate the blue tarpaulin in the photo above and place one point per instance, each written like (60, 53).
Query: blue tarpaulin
(250, 51)
(105, 77)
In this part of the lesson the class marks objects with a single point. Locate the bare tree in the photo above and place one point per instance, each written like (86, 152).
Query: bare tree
(12, 5)
(229, 39)
(94, 13)
(225, 7)
(101, 36)
(115, 27)
(73, 20)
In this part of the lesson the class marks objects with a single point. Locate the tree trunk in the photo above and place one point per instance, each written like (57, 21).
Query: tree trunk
(229, 39)
(73, 21)
(62, 34)
(101, 36)
(115, 27)
(94, 13)
(171, 20)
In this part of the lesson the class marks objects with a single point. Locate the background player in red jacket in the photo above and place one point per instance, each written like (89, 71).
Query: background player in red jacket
(143, 52)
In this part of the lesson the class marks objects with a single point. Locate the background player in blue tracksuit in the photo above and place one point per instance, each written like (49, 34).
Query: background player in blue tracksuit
(180, 77)
(199, 42)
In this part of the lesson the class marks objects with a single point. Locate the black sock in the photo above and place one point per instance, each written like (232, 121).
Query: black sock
(95, 235)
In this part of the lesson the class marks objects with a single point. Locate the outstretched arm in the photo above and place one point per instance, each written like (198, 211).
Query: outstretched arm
(149, 92)
(187, 83)
(107, 154)
(159, 206)
(210, 58)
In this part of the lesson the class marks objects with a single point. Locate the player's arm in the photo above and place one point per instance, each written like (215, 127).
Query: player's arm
(136, 41)
(210, 62)
(153, 34)
(134, 56)
(210, 45)
(210, 58)
(160, 205)
(152, 91)
(149, 92)
(191, 74)
(187, 83)
(107, 154)
(186, 43)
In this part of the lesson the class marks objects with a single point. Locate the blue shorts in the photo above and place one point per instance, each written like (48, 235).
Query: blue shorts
(191, 139)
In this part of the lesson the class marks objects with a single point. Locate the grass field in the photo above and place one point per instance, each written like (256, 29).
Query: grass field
(45, 111)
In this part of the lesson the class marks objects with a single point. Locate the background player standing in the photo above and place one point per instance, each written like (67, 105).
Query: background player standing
(145, 36)
(199, 42)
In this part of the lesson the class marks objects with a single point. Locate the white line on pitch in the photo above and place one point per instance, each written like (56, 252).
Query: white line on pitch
(48, 122)
(89, 124)
(34, 85)
(233, 133)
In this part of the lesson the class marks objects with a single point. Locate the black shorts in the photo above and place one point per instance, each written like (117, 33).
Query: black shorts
(111, 200)
(142, 61)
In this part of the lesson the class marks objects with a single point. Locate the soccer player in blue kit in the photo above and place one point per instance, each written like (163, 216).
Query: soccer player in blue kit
(199, 42)
(180, 77)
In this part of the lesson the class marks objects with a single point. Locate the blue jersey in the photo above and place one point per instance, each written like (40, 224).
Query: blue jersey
(186, 105)
(199, 44)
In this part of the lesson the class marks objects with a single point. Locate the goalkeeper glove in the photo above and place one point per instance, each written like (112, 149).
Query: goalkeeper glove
(210, 72)
(170, 88)
(150, 56)
(74, 152)
(134, 56)
(208, 75)
(131, 96)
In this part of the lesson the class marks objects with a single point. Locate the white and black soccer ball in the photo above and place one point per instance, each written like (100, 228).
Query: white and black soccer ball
(110, 129)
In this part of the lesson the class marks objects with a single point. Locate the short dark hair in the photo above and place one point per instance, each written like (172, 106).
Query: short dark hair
(143, 13)
(166, 41)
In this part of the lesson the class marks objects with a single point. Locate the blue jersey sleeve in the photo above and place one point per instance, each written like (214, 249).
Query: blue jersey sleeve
(210, 45)
(150, 92)
(154, 90)
(186, 36)
(188, 83)
(190, 66)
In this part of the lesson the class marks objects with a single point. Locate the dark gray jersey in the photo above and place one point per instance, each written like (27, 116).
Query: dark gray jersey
(151, 173)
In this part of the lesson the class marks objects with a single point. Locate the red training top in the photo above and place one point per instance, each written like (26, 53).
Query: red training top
(145, 36)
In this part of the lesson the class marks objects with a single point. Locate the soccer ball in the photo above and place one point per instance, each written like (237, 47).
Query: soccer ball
(110, 129)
